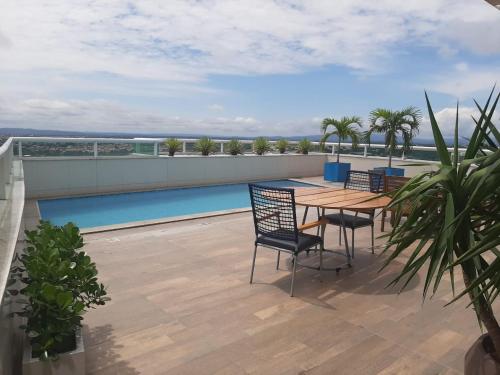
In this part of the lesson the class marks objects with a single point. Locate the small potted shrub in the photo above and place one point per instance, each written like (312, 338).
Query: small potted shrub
(60, 284)
(343, 129)
(234, 147)
(281, 145)
(404, 123)
(261, 145)
(304, 146)
(453, 229)
(173, 145)
(205, 145)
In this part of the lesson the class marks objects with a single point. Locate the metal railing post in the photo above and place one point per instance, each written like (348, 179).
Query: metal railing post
(20, 149)
(403, 157)
(155, 149)
(333, 149)
(222, 147)
(95, 150)
(365, 151)
(184, 147)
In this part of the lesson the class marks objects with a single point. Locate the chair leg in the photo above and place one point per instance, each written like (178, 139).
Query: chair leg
(352, 243)
(253, 264)
(278, 261)
(340, 235)
(293, 274)
(321, 248)
(382, 224)
(373, 238)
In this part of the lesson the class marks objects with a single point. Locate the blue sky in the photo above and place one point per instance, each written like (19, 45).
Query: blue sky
(221, 67)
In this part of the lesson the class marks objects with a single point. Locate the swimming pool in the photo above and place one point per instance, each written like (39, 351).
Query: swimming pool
(111, 209)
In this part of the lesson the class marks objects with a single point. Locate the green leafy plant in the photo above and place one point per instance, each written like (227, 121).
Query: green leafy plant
(173, 146)
(261, 145)
(234, 147)
(393, 123)
(205, 145)
(60, 285)
(281, 145)
(344, 128)
(304, 146)
(454, 220)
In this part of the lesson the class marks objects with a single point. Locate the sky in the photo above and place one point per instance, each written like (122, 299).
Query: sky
(241, 68)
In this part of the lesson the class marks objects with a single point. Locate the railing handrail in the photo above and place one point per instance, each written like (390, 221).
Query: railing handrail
(5, 147)
(191, 140)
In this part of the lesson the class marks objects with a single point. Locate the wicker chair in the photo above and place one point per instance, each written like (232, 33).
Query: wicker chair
(275, 223)
(363, 181)
(393, 183)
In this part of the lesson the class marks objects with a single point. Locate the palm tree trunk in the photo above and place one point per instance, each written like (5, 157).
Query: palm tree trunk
(390, 157)
(338, 152)
(487, 317)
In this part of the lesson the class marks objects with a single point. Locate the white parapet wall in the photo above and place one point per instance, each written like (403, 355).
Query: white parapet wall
(62, 176)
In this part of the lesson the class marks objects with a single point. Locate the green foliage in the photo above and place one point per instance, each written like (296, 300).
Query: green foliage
(261, 145)
(206, 146)
(393, 123)
(454, 219)
(60, 284)
(304, 146)
(343, 129)
(173, 146)
(281, 145)
(234, 147)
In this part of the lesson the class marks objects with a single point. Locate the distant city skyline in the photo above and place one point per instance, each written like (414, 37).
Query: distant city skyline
(242, 68)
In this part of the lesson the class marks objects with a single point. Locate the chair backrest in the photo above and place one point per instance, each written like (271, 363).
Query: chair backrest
(365, 181)
(274, 212)
(393, 183)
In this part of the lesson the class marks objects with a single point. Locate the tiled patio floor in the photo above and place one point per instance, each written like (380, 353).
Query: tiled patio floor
(181, 304)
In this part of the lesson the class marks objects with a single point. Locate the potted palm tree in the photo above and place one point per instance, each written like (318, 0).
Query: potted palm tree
(343, 129)
(304, 146)
(453, 225)
(404, 123)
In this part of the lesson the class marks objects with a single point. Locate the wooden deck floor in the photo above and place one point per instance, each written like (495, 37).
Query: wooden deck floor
(181, 304)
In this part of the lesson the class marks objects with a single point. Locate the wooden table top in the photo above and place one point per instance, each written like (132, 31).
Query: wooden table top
(339, 198)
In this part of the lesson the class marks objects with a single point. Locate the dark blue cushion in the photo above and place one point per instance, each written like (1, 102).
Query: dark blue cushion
(350, 221)
(306, 241)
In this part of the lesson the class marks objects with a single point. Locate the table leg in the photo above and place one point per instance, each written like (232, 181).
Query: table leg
(305, 215)
(348, 254)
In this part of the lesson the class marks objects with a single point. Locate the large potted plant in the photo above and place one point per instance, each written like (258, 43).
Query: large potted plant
(234, 147)
(60, 284)
(394, 124)
(173, 145)
(261, 145)
(343, 129)
(453, 225)
(304, 146)
(205, 146)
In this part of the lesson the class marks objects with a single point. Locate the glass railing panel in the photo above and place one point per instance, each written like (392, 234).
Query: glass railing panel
(116, 149)
(54, 149)
(430, 155)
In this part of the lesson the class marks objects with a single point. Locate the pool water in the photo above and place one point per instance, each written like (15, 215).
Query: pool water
(110, 209)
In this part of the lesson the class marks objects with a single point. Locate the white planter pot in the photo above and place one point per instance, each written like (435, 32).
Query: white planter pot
(70, 363)
(480, 362)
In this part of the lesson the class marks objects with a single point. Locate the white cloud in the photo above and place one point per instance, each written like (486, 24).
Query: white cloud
(216, 107)
(182, 40)
(99, 115)
(446, 121)
(463, 82)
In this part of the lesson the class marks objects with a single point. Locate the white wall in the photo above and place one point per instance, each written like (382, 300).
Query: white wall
(54, 177)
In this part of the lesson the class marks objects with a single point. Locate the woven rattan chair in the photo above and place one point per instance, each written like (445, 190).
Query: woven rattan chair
(275, 222)
(391, 184)
(363, 181)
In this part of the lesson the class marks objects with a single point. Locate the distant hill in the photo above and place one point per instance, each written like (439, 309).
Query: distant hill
(26, 132)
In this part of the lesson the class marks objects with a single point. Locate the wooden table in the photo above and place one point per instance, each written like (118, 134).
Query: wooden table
(323, 198)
